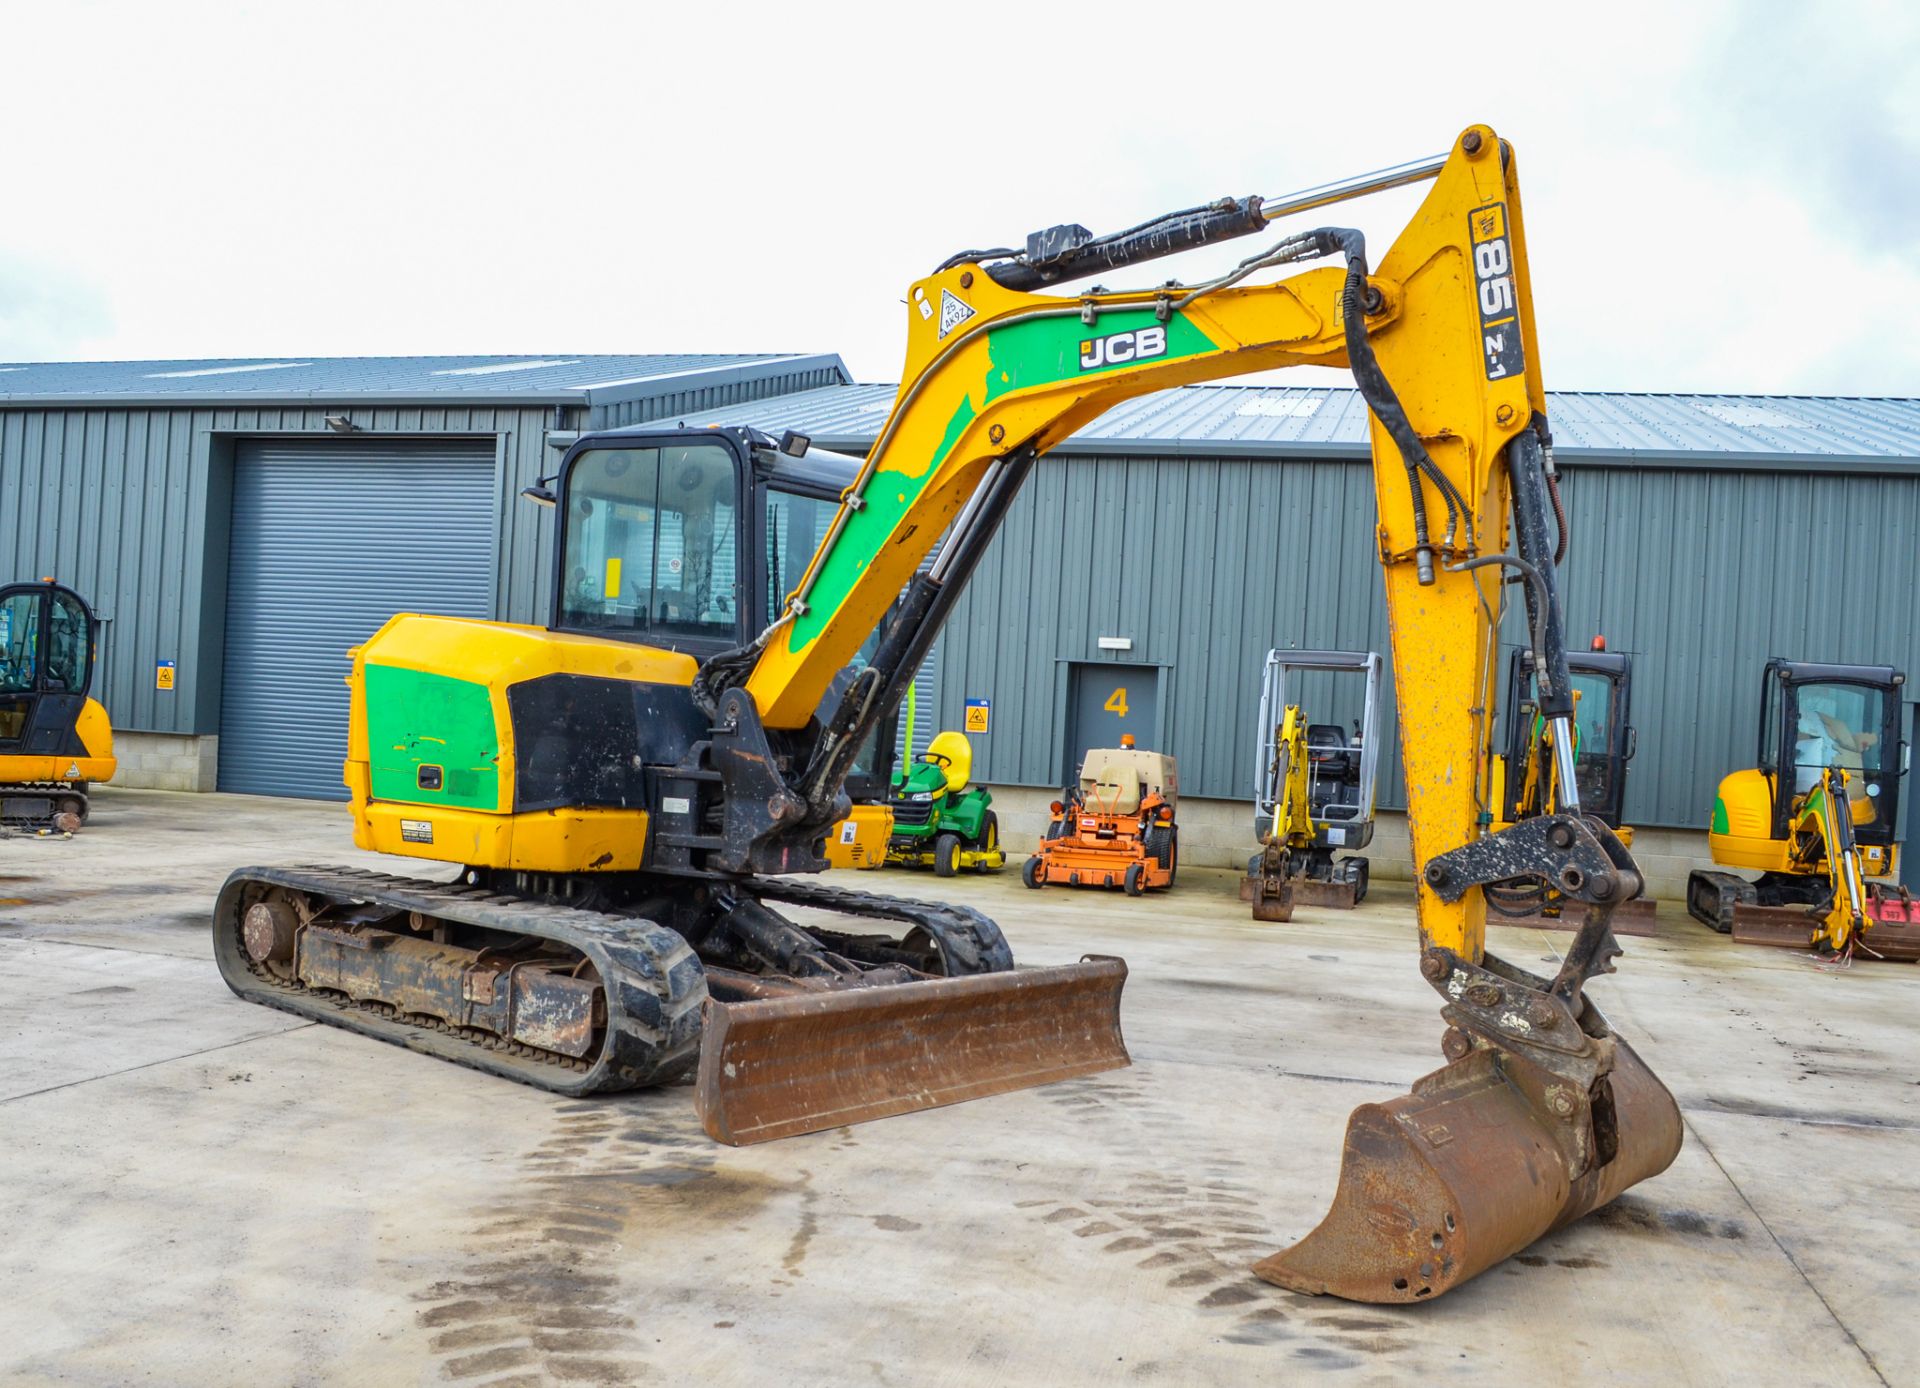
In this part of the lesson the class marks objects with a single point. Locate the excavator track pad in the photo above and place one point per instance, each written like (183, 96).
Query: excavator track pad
(782, 1066)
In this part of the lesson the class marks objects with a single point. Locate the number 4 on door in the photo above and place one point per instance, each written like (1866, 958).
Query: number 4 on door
(1117, 702)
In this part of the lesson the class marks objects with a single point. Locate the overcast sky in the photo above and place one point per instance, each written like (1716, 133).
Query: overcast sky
(1719, 196)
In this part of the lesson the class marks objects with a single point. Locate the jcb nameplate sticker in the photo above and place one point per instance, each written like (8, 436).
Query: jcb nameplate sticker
(1493, 284)
(1142, 344)
(416, 830)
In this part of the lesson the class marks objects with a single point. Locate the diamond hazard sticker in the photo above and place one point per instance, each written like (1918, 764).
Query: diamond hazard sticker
(953, 311)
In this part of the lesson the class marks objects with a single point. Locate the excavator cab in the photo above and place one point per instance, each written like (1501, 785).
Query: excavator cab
(1604, 736)
(1816, 816)
(54, 740)
(1814, 717)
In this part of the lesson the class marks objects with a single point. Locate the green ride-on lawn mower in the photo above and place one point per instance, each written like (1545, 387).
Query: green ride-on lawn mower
(940, 821)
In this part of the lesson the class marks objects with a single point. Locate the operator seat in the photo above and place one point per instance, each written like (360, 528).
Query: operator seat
(958, 753)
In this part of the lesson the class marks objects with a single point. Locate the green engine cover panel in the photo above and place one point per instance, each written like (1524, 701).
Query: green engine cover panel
(416, 719)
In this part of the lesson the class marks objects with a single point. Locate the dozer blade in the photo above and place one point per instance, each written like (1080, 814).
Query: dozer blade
(1439, 1185)
(1311, 891)
(1780, 927)
(1896, 942)
(1636, 917)
(783, 1066)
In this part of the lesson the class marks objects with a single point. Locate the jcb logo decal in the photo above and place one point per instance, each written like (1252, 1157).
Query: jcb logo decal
(1121, 348)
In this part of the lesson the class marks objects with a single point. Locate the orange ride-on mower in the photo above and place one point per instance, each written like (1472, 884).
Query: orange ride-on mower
(1116, 827)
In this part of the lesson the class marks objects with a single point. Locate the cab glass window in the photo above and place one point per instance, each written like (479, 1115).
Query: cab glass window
(1836, 724)
(652, 543)
(1593, 739)
(68, 649)
(19, 642)
(795, 527)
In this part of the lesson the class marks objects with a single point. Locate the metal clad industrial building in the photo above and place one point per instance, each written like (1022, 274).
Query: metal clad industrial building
(1198, 527)
(1207, 524)
(118, 478)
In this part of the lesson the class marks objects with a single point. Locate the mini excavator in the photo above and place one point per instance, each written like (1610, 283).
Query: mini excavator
(55, 742)
(1817, 817)
(630, 792)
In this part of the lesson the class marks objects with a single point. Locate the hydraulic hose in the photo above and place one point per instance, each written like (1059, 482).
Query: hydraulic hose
(1379, 394)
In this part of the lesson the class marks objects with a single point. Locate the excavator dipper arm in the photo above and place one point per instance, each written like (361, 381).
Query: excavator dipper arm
(1541, 1113)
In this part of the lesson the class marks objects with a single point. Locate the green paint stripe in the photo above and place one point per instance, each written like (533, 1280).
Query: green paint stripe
(417, 719)
(1021, 356)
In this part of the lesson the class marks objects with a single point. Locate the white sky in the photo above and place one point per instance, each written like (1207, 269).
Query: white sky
(1719, 196)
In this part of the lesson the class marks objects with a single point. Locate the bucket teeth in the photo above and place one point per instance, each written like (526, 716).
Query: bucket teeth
(776, 1068)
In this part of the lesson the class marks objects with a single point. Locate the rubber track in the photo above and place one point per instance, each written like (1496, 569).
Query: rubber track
(970, 942)
(1730, 890)
(654, 985)
(53, 790)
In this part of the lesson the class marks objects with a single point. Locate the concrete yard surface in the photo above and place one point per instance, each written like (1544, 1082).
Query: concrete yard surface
(196, 1190)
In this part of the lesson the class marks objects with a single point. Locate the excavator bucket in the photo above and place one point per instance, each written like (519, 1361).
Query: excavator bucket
(1441, 1184)
(782, 1066)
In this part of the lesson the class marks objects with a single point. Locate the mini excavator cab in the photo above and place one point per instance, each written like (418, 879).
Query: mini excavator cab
(1815, 716)
(1604, 738)
(54, 740)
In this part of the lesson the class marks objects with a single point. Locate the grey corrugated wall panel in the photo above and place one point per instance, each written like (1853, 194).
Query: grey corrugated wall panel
(1206, 563)
(674, 405)
(116, 502)
(330, 538)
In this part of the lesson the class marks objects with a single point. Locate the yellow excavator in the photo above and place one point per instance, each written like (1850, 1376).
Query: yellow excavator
(631, 792)
(55, 742)
(1816, 818)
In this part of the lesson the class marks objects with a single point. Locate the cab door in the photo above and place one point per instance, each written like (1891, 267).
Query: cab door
(46, 665)
(21, 618)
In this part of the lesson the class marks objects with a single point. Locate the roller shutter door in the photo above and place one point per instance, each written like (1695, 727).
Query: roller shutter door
(330, 538)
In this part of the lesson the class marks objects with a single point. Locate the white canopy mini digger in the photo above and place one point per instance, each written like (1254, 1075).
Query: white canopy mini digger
(1313, 785)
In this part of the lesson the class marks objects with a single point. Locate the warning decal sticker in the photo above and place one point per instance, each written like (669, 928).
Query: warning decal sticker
(953, 312)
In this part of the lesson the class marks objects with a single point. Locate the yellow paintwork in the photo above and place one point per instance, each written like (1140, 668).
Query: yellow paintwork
(1292, 821)
(562, 840)
(1748, 842)
(95, 766)
(1428, 341)
(866, 846)
(497, 655)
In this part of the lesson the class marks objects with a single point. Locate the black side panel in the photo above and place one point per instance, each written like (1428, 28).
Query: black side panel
(51, 731)
(584, 741)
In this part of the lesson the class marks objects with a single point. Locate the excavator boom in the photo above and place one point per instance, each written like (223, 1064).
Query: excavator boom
(1542, 1113)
